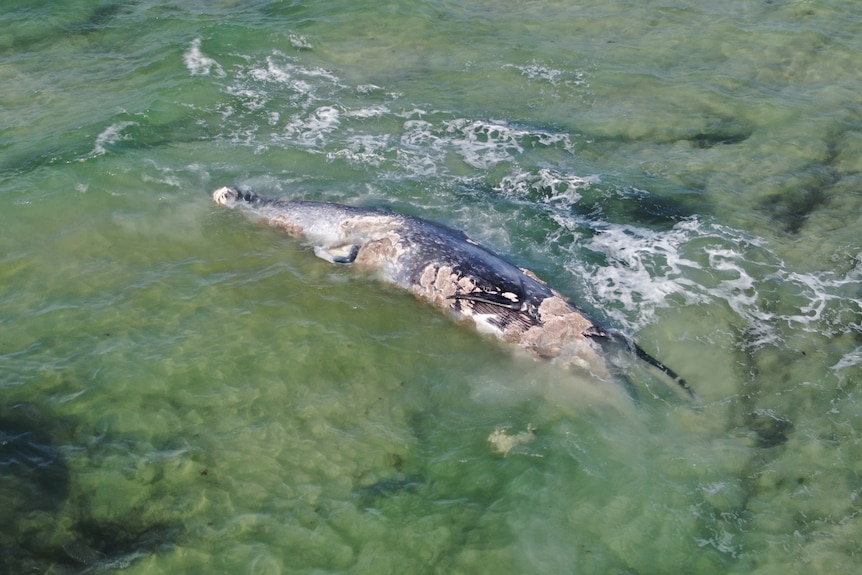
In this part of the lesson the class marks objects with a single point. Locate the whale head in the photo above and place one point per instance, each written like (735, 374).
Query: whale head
(226, 196)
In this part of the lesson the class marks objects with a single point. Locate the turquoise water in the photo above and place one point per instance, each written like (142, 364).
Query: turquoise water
(182, 391)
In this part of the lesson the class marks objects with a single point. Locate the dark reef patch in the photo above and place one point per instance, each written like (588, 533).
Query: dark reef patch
(44, 526)
(792, 207)
(706, 140)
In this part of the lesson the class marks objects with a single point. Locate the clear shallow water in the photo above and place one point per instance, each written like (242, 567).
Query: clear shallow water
(218, 399)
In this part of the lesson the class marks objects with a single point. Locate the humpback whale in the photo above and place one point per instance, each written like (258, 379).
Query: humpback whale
(447, 269)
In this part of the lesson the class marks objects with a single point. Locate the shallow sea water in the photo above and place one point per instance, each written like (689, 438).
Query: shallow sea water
(182, 391)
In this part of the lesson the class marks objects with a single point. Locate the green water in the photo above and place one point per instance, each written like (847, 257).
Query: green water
(182, 391)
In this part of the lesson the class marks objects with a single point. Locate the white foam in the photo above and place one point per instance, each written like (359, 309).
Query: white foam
(693, 263)
(536, 71)
(822, 293)
(482, 144)
(852, 359)
(542, 72)
(368, 112)
(303, 87)
(282, 73)
(321, 103)
(299, 42)
(721, 541)
(551, 185)
(643, 269)
(199, 64)
(165, 178)
(312, 130)
(420, 151)
(109, 136)
(253, 100)
(282, 102)
(419, 134)
(282, 69)
(363, 150)
(368, 88)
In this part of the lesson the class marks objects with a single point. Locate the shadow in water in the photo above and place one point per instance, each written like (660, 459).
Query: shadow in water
(41, 530)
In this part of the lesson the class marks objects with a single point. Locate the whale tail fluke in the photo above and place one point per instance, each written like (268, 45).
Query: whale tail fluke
(619, 339)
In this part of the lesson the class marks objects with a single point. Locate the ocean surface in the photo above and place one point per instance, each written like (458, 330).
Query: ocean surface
(185, 391)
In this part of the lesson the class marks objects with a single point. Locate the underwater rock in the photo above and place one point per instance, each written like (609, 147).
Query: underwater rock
(502, 443)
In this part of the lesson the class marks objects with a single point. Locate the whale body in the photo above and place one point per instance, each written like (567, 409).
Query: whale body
(448, 270)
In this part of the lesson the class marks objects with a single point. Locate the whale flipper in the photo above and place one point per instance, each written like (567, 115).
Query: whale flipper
(338, 255)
